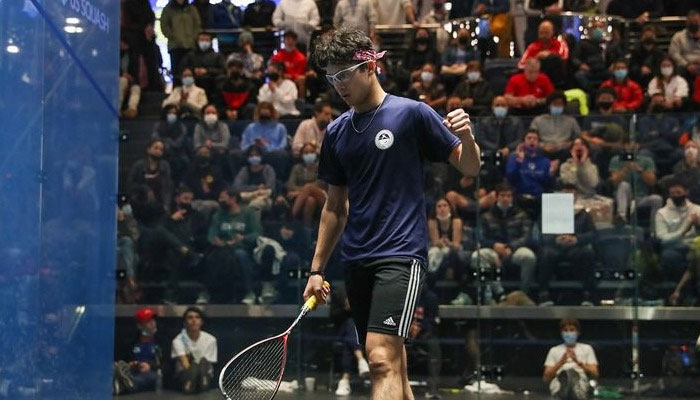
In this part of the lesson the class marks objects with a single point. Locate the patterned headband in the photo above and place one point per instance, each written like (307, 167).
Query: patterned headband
(368, 55)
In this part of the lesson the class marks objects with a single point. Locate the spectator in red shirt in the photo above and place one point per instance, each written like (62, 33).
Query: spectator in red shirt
(527, 92)
(294, 61)
(550, 50)
(629, 93)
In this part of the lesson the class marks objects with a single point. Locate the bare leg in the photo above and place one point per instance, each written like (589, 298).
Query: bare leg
(299, 202)
(385, 364)
(309, 210)
(407, 392)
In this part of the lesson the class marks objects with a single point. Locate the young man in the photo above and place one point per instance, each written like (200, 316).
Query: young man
(194, 353)
(373, 156)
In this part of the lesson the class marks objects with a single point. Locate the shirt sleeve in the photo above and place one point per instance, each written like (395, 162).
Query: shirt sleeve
(551, 358)
(435, 140)
(329, 168)
(178, 348)
(211, 352)
(590, 358)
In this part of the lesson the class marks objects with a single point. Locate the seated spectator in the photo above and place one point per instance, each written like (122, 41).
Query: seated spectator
(303, 190)
(579, 170)
(645, 58)
(127, 237)
(211, 132)
(677, 225)
(530, 172)
(422, 51)
(462, 195)
(499, 22)
(225, 15)
(456, 56)
(186, 223)
(279, 91)
(173, 133)
(445, 234)
(629, 93)
(189, 97)
(688, 170)
(206, 64)
(428, 89)
(294, 61)
(237, 92)
(570, 365)
(474, 93)
(259, 14)
(359, 15)
(576, 248)
(194, 352)
(506, 232)
(270, 136)
(592, 57)
(128, 85)
(672, 86)
(658, 134)
(205, 179)
(346, 336)
(312, 130)
(638, 169)
(603, 130)
(684, 47)
(499, 132)
(253, 63)
(527, 91)
(552, 52)
(138, 370)
(256, 182)
(557, 130)
(691, 274)
(233, 233)
(153, 172)
(300, 16)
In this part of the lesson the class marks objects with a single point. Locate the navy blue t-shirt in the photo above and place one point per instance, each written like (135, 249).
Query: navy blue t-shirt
(383, 170)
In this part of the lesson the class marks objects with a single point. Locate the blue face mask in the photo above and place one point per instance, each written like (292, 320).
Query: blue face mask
(556, 110)
(171, 118)
(569, 338)
(500, 112)
(309, 158)
(620, 74)
(254, 160)
(597, 35)
(188, 81)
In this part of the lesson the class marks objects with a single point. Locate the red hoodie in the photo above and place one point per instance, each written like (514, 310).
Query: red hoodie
(294, 62)
(629, 94)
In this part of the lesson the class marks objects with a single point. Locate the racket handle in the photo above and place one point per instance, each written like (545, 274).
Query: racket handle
(313, 301)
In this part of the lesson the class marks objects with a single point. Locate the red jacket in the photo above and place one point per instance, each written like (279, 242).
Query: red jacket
(629, 94)
(556, 46)
(518, 86)
(294, 62)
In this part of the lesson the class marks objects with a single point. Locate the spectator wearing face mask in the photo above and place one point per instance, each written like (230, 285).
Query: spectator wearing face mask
(270, 136)
(672, 86)
(603, 130)
(421, 52)
(256, 182)
(279, 91)
(685, 46)
(645, 57)
(253, 63)
(180, 24)
(186, 223)
(236, 92)
(526, 92)
(474, 93)
(591, 58)
(211, 132)
(303, 192)
(677, 224)
(570, 365)
(455, 58)
(154, 172)
(206, 64)
(687, 170)
(557, 130)
(189, 97)
(499, 132)
(629, 93)
(205, 179)
(172, 132)
(294, 61)
(428, 90)
(312, 130)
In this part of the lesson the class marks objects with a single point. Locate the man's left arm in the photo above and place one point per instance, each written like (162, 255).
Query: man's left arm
(466, 157)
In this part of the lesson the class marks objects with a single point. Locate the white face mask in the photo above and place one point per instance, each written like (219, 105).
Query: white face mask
(204, 45)
(426, 76)
(473, 76)
(210, 119)
(666, 71)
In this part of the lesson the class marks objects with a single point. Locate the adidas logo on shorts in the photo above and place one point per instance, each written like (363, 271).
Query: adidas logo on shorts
(389, 321)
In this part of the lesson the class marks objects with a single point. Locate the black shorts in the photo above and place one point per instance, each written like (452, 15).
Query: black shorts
(383, 295)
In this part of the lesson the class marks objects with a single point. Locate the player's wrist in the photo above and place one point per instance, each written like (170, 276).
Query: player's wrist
(317, 273)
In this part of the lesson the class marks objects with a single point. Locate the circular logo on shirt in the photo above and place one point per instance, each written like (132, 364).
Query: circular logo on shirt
(384, 139)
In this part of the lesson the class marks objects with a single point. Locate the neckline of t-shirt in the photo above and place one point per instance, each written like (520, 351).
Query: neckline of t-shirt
(360, 115)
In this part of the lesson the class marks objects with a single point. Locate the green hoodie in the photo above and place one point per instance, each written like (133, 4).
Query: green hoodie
(226, 226)
(181, 25)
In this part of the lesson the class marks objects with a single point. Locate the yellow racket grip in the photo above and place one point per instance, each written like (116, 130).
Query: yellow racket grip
(313, 301)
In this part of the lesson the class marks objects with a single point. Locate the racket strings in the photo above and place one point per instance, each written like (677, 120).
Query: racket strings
(255, 374)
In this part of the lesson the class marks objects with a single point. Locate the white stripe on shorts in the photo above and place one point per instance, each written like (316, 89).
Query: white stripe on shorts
(410, 301)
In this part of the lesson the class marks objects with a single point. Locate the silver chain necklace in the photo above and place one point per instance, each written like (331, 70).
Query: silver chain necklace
(370, 121)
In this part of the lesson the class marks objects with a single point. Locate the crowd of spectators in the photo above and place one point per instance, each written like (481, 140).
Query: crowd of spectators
(237, 208)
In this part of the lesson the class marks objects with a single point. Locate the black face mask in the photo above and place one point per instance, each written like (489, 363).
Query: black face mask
(235, 74)
(648, 41)
(422, 41)
(155, 157)
(273, 76)
(692, 28)
(605, 105)
(187, 207)
(678, 200)
(463, 40)
(265, 118)
(202, 161)
(223, 205)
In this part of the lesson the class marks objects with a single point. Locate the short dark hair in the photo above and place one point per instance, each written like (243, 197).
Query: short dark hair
(166, 110)
(556, 96)
(194, 310)
(234, 63)
(570, 322)
(205, 33)
(154, 141)
(649, 28)
(531, 130)
(606, 90)
(320, 105)
(290, 34)
(676, 182)
(252, 149)
(183, 189)
(504, 187)
(278, 66)
(210, 105)
(339, 47)
(232, 193)
(620, 60)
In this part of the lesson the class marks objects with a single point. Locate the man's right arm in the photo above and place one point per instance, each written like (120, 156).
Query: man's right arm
(333, 219)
